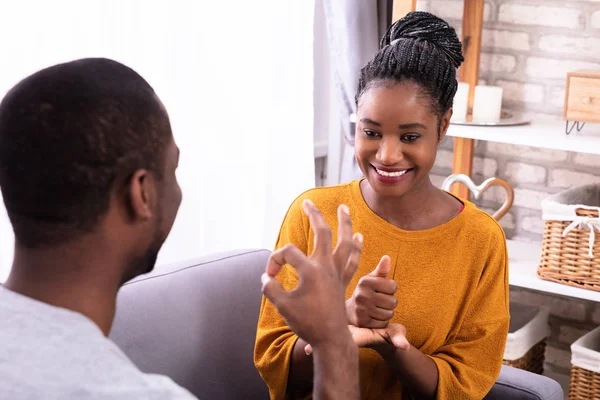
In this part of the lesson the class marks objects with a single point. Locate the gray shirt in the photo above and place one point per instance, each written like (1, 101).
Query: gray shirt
(48, 352)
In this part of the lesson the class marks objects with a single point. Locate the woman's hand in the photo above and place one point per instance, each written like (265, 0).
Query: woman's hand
(373, 301)
(383, 340)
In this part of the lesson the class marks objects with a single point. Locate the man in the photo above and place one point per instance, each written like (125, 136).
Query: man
(87, 173)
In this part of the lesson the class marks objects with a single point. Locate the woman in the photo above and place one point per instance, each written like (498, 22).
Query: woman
(429, 303)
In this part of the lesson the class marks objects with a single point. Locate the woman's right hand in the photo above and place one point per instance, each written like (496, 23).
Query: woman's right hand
(373, 302)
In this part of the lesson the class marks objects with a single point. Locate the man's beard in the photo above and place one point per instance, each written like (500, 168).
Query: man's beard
(145, 264)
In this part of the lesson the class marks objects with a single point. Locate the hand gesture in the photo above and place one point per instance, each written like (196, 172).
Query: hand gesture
(382, 340)
(373, 301)
(315, 309)
(392, 336)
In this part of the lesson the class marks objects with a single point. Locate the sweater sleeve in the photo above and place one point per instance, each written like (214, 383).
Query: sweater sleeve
(469, 363)
(274, 339)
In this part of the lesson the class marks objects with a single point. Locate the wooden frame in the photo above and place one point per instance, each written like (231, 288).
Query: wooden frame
(581, 96)
(468, 72)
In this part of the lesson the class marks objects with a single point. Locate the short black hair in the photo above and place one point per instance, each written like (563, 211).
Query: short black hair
(419, 48)
(67, 133)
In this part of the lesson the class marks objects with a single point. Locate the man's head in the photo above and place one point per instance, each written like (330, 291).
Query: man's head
(86, 151)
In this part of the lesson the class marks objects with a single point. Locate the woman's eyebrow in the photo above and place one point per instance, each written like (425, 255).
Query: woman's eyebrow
(370, 121)
(412, 126)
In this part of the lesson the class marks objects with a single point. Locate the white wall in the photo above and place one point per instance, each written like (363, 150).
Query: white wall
(236, 78)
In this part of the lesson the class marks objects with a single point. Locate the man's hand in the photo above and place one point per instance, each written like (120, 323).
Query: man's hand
(373, 301)
(315, 309)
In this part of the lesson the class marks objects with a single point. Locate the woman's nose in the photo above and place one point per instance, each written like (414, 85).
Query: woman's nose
(390, 152)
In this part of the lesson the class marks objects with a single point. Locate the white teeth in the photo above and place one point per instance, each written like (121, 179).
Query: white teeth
(393, 174)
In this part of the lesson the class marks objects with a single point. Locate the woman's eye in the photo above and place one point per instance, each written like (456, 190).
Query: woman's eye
(410, 138)
(371, 133)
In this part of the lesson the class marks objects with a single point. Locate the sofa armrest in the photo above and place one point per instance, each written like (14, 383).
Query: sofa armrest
(195, 321)
(517, 384)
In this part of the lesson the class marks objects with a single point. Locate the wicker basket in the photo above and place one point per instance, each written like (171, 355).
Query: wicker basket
(585, 371)
(570, 251)
(532, 361)
(526, 342)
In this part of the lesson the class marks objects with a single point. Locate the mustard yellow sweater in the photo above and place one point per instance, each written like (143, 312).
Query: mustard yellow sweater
(452, 296)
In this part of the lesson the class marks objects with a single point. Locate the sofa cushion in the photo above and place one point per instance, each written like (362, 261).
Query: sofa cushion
(517, 384)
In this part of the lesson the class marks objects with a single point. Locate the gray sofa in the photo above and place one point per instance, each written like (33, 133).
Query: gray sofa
(195, 321)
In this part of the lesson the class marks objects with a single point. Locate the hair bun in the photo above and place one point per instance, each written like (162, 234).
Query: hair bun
(420, 25)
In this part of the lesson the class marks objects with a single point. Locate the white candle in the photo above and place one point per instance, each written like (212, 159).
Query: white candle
(461, 103)
(487, 104)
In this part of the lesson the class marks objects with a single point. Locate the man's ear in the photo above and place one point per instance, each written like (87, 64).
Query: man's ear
(444, 124)
(141, 191)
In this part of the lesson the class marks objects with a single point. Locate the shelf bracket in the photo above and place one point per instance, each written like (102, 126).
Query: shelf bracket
(576, 124)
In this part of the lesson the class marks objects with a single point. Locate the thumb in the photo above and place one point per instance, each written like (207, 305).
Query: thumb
(397, 335)
(273, 291)
(383, 268)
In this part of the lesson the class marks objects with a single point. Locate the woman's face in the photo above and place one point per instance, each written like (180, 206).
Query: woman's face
(397, 137)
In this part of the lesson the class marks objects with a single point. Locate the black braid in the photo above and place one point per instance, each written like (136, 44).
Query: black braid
(421, 48)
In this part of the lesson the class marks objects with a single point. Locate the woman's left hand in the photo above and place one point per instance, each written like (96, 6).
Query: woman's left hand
(382, 340)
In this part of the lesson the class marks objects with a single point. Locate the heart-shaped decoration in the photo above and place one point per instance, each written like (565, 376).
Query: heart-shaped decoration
(478, 190)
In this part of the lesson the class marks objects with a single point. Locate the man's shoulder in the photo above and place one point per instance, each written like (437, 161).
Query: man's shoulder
(51, 353)
(77, 367)
(152, 387)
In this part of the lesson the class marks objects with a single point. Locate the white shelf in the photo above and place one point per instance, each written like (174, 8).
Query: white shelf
(523, 261)
(544, 134)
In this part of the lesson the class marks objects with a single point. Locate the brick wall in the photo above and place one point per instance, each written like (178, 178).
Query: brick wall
(528, 47)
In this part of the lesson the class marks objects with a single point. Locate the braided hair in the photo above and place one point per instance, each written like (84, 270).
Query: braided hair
(419, 48)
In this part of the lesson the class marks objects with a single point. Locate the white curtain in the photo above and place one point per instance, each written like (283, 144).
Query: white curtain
(237, 80)
(354, 28)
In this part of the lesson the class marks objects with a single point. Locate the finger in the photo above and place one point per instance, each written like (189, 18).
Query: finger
(373, 323)
(383, 268)
(381, 314)
(396, 334)
(361, 336)
(320, 228)
(354, 259)
(272, 290)
(385, 286)
(344, 245)
(381, 285)
(308, 349)
(385, 301)
(288, 254)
